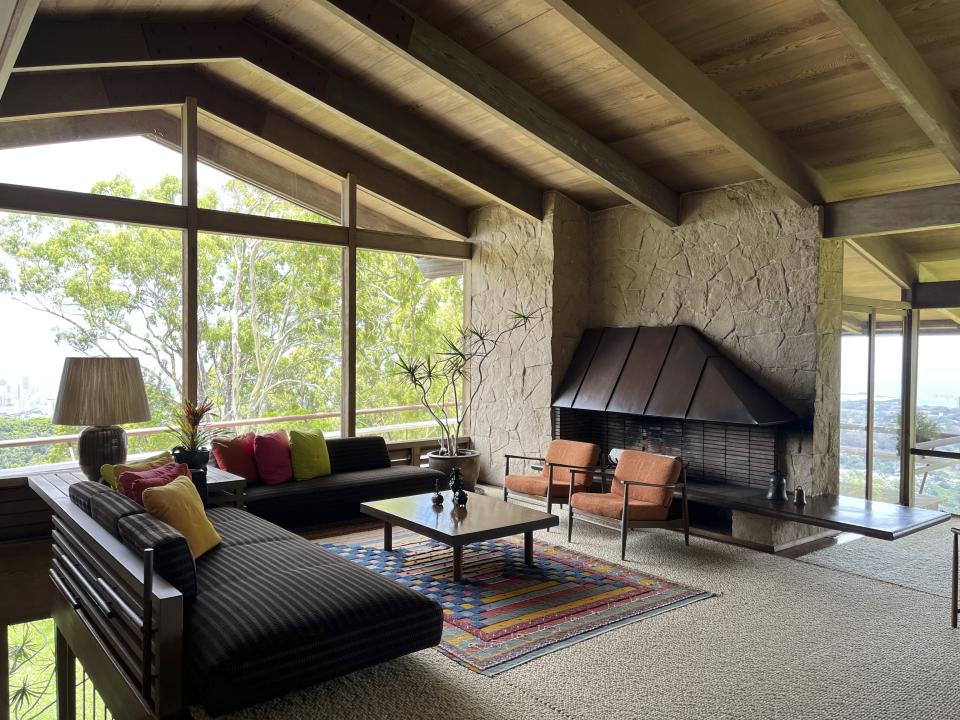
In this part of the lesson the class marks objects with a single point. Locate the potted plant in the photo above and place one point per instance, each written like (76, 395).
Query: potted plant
(448, 382)
(193, 440)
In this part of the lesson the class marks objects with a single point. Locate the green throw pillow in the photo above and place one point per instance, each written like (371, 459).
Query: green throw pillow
(308, 454)
(110, 473)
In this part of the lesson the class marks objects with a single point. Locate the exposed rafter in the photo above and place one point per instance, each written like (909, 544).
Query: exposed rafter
(617, 27)
(908, 211)
(86, 91)
(884, 254)
(15, 19)
(55, 45)
(465, 73)
(877, 38)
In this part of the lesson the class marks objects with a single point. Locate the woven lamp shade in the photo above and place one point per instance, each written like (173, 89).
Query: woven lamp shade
(101, 391)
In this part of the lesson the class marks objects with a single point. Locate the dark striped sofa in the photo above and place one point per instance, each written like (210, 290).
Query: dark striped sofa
(362, 471)
(267, 611)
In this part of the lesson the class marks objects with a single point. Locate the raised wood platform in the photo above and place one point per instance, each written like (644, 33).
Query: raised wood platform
(882, 520)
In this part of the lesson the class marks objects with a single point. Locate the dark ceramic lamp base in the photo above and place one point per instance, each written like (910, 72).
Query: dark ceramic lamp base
(101, 445)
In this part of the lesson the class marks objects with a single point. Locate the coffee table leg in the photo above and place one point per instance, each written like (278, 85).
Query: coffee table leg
(528, 548)
(457, 562)
(387, 536)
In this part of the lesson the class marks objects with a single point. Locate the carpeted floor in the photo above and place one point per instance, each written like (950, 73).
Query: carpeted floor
(786, 639)
(920, 561)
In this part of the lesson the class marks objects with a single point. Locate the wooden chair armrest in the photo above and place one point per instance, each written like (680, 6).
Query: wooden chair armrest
(525, 457)
(577, 468)
(659, 485)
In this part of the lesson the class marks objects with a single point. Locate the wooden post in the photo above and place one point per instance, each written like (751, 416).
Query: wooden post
(871, 399)
(65, 664)
(189, 252)
(348, 394)
(908, 403)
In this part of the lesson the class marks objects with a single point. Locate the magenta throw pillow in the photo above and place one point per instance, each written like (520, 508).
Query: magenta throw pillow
(235, 455)
(135, 482)
(272, 453)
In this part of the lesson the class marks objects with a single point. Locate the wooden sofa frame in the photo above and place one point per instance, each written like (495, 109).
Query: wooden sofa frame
(123, 622)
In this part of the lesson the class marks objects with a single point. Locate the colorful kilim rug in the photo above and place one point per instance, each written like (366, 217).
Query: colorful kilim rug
(504, 613)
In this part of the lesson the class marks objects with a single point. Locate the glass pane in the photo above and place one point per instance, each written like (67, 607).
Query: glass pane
(405, 307)
(269, 331)
(937, 480)
(75, 287)
(854, 356)
(888, 406)
(240, 173)
(134, 154)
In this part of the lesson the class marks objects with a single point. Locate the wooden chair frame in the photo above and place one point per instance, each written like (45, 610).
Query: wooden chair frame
(537, 499)
(625, 523)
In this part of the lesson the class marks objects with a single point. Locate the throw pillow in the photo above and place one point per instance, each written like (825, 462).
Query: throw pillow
(178, 505)
(308, 454)
(110, 473)
(235, 455)
(272, 454)
(133, 483)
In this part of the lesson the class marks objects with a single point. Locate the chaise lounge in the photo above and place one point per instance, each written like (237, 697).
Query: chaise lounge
(264, 613)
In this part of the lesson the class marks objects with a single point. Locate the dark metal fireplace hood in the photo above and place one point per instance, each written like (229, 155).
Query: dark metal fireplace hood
(664, 372)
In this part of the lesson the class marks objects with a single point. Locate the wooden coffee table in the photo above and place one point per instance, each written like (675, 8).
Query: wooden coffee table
(484, 518)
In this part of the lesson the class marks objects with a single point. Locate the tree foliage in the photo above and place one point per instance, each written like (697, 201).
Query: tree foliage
(269, 311)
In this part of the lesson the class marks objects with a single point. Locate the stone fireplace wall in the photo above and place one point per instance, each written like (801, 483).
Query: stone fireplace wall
(749, 269)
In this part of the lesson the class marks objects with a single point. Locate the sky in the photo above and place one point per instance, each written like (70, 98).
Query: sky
(77, 166)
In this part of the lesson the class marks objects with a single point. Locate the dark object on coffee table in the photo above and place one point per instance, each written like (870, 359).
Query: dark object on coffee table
(437, 495)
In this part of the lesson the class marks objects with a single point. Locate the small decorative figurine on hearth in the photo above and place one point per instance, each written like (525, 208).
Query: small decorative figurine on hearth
(456, 487)
(437, 498)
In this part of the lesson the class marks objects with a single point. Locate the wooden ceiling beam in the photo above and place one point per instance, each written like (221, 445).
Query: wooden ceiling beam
(617, 27)
(468, 75)
(887, 257)
(58, 45)
(15, 19)
(96, 91)
(878, 39)
(909, 211)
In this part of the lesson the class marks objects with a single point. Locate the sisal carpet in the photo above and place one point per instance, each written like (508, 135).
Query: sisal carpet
(505, 613)
(787, 640)
(920, 561)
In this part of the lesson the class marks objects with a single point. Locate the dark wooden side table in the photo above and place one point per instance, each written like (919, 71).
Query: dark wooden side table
(225, 489)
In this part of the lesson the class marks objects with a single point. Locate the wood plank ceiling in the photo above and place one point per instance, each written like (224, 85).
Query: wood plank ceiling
(793, 65)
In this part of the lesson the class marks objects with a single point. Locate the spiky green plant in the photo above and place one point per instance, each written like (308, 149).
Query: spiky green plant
(442, 379)
(188, 428)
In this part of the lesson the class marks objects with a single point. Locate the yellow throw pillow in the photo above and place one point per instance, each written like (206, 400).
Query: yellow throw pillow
(308, 454)
(110, 473)
(178, 504)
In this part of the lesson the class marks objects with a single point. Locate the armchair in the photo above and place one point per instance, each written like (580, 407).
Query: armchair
(558, 481)
(641, 495)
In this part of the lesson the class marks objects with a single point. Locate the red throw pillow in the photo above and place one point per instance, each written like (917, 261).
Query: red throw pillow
(272, 454)
(236, 456)
(135, 482)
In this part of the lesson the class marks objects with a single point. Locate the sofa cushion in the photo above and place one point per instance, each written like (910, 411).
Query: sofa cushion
(110, 507)
(272, 453)
(133, 482)
(308, 454)
(282, 614)
(81, 492)
(358, 453)
(344, 488)
(235, 455)
(110, 473)
(178, 504)
(171, 553)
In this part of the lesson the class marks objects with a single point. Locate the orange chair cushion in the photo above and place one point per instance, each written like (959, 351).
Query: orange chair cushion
(610, 505)
(536, 485)
(570, 452)
(648, 468)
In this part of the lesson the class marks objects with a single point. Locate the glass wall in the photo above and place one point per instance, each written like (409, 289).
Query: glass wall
(75, 287)
(270, 329)
(854, 373)
(887, 405)
(937, 477)
(406, 306)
